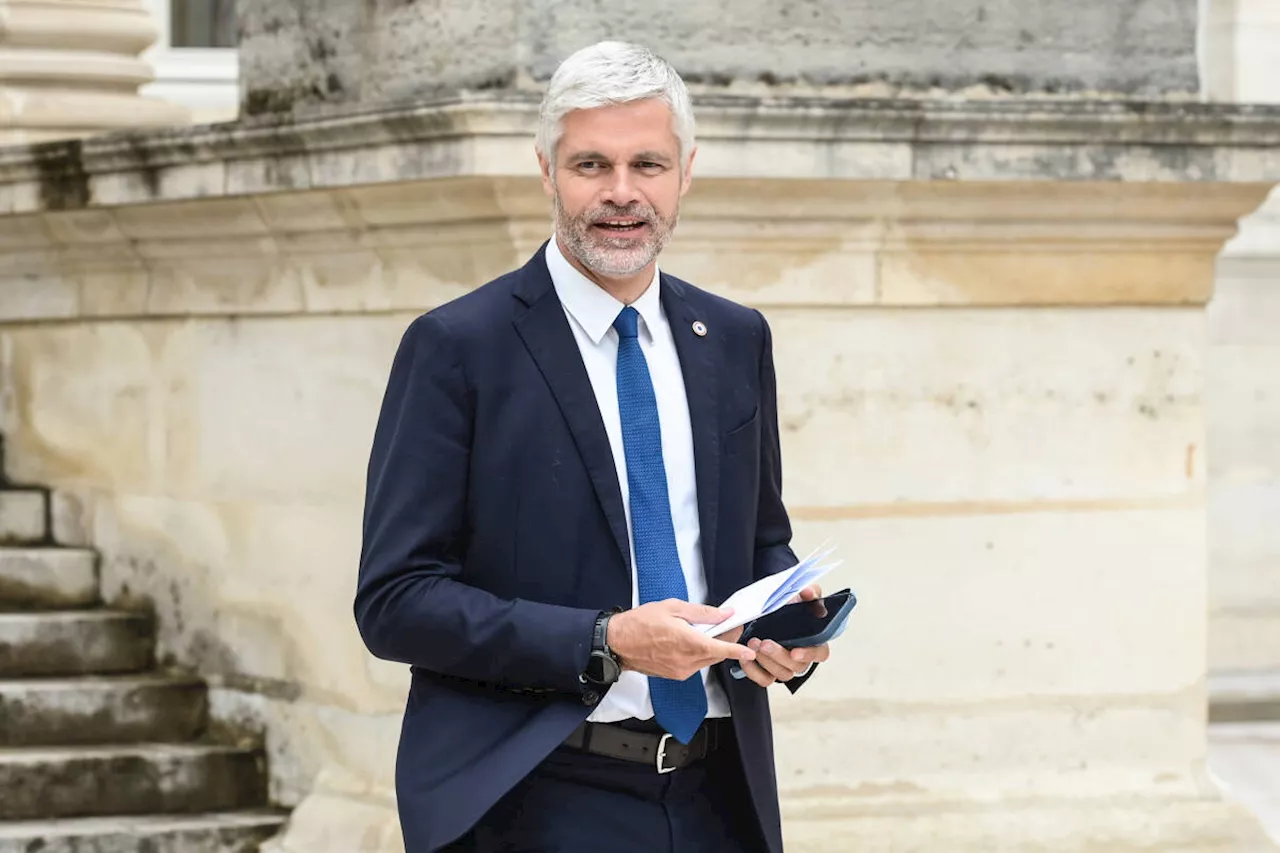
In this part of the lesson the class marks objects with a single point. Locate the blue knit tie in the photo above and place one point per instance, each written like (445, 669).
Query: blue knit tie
(679, 706)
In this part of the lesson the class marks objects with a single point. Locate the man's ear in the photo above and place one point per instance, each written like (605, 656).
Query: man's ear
(548, 182)
(687, 178)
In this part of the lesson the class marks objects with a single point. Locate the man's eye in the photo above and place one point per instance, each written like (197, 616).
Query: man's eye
(589, 166)
(648, 166)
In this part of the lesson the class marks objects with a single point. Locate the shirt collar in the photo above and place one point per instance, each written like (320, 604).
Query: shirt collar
(591, 305)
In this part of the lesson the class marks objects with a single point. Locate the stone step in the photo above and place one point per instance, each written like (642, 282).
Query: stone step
(75, 642)
(1249, 696)
(47, 578)
(42, 783)
(22, 516)
(101, 709)
(225, 832)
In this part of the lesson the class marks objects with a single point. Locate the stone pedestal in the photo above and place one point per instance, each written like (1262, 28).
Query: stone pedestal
(70, 69)
(989, 322)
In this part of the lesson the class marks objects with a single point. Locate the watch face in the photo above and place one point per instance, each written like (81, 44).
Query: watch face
(602, 669)
(611, 670)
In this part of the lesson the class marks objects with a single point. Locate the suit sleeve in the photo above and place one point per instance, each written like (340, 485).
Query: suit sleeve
(412, 602)
(773, 526)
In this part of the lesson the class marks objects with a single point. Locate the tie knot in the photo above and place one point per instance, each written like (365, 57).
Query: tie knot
(626, 323)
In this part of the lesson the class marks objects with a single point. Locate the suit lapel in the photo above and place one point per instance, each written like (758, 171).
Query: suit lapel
(546, 334)
(698, 362)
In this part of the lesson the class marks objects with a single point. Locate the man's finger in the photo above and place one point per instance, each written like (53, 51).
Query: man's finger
(699, 614)
(729, 651)
(774, 659)
(757, 674)
(810, 592)
(811, 654)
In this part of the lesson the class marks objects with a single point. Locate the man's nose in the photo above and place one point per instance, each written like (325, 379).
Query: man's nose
(621, 190)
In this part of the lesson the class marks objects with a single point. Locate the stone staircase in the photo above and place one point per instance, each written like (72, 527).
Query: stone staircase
(99, 751)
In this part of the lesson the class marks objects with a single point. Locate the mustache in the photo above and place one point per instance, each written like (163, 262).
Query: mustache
(631, 211)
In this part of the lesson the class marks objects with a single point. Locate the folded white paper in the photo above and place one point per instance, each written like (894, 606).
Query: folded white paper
(770, 593)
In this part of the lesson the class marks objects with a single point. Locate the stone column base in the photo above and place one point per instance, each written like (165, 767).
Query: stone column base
(70, 70)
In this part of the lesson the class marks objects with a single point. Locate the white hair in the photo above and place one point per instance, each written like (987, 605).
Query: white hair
(608, 73)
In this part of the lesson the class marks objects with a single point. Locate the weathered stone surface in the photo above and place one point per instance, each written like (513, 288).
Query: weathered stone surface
(22, 516)
(1028, 680)
(74, 642)
(314, 745)
(308, 54)
(99, 710)
(91, 746)
(67, 517)
(919, 415)
(801, 138)
(47, 578)
(341, 822)
(395, 248)
(44, 782)
(235, 832)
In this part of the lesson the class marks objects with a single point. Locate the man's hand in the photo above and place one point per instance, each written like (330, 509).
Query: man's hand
(773, 663)
(656, 639)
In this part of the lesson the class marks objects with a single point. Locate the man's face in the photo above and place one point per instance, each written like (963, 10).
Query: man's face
(617, 185)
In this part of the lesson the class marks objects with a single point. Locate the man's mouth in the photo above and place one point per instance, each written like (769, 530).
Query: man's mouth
(621, 225)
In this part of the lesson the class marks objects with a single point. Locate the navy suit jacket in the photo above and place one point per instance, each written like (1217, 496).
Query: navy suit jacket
(494, 533)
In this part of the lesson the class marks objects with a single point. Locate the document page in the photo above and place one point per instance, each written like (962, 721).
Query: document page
(768, 594)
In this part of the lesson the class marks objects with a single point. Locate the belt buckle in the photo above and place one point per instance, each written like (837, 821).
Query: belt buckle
(662, 754)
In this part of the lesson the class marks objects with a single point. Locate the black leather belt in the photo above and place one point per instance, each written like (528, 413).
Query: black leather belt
(655, 748)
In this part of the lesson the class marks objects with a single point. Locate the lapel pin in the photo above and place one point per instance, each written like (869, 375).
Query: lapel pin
(700, 328)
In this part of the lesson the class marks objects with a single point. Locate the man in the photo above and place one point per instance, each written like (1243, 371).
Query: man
(569, 463)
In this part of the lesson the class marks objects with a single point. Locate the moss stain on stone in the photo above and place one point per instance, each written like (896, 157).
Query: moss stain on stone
(64, 184)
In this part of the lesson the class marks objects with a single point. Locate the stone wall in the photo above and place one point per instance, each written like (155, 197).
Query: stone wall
(310, 53)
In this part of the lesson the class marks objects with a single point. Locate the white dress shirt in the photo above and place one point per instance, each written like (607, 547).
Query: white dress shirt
(591, 312)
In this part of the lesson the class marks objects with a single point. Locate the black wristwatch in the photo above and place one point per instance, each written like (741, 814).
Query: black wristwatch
(603, 667)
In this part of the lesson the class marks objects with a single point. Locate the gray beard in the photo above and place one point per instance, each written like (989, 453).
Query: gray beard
(622, 258)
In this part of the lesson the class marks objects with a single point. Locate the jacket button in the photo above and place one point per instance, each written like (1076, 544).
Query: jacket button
(590, 697)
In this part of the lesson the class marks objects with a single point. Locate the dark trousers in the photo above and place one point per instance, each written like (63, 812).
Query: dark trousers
(575, 802)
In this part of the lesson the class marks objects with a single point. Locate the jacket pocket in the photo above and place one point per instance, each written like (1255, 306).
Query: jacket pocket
(744, 437)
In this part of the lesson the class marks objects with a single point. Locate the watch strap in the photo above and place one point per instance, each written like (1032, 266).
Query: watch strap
(600, 637)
